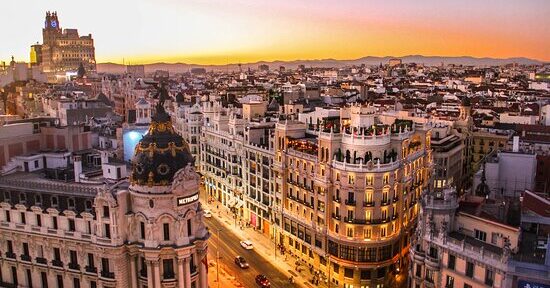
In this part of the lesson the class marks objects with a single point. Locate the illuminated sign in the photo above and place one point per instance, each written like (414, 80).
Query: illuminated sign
(187, 200)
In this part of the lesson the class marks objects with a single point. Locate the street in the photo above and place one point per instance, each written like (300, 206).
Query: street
(229, 248)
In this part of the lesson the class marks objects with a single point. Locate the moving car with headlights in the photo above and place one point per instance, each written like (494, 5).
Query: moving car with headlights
(241, 262)
(262, 281)
(247, 244)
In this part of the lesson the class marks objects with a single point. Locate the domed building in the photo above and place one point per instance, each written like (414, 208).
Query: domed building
(166, 229)
(143, 232)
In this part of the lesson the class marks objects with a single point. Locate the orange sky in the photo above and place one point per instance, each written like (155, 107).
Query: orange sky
(229, 31)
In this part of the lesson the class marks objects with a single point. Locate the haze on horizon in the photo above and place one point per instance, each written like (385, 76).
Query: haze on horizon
(221, 32)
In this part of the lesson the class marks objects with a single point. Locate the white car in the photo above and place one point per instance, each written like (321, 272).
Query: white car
(207, 213)
(247, 244)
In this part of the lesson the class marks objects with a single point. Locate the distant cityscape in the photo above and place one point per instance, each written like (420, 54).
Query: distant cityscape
(416, 171)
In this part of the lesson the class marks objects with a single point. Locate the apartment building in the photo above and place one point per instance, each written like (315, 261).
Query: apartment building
(350, 191)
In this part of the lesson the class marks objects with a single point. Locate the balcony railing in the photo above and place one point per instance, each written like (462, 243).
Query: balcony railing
(108, 274)
(41, 260)
(26, 257)
(337, 217)
(337, 200)
(91, 269)
(10, 255)
(57, 263)
(74, 266)
(350, 202)
(368, 204)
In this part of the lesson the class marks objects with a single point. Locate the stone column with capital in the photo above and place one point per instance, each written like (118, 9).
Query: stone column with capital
(149, 274)
(181, 274)
(187, 272)
(133, 275)
(156, 268)
(203, 271)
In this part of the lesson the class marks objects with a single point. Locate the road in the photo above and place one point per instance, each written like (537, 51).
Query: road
(230, 247)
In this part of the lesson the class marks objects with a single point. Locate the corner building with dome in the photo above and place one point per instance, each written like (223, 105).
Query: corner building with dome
(143, 232)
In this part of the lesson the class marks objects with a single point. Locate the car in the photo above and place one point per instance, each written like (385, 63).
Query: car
(262, 281)
(241, 262)
(207, 213)
(247, 244)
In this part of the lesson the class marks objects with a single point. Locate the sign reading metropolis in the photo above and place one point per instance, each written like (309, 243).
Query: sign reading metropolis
(529, 284)
(187, 200)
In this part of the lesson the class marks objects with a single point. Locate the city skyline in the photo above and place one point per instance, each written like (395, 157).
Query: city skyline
(216, 32)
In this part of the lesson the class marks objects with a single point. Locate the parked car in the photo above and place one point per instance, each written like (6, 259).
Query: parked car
(262, 281)
(247, 244)
(207, 213)
(241, 262)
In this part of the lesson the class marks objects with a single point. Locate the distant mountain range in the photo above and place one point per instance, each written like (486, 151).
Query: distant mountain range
(368, 60)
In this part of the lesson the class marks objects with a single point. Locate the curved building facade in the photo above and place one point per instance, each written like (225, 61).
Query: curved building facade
(351, 188)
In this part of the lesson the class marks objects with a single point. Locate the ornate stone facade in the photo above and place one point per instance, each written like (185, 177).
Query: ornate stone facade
(130, 234)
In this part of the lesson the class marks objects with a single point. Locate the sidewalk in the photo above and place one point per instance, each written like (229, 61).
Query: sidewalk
(263, 245)
(226, 280)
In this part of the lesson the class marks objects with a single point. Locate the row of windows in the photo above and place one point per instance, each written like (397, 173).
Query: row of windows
(54, 200)
(363, 254)
(44, 279)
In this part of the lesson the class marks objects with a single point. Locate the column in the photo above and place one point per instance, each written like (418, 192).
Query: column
(203, 270)
(156, 267)
(181, 275)
(133, 276)
(149, 274)
(187, 272)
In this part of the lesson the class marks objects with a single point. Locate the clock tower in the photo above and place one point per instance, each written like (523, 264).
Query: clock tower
(52, 29)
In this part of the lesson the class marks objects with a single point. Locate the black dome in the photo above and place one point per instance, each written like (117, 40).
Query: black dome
(160, 153)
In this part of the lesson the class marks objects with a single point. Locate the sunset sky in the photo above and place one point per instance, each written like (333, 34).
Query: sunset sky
(230, 31)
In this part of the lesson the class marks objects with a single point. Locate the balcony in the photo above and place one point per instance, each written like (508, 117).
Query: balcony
(368, 204)
(356, 221)
(57, 263)
(350, 202)
(395, 199)
(10, 255)
(41, 260)
(337, 200)
(337, 217)
(26, 257)
(385, 202)
(431, 262)
(108, 274)
(91, 269)
(74, 266)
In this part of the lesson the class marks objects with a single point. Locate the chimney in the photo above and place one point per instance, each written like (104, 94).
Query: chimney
(77, 168)
(515, 147)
